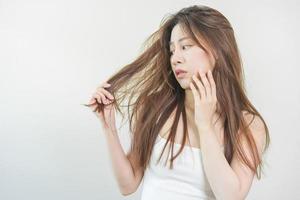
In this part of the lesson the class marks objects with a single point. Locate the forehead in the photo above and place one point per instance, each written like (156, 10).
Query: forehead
(178, 33)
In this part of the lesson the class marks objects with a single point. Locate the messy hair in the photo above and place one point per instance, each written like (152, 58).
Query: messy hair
(153, 91)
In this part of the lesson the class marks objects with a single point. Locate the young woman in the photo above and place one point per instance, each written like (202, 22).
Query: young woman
(195, 134)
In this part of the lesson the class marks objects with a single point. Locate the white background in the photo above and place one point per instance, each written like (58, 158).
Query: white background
(53, 55)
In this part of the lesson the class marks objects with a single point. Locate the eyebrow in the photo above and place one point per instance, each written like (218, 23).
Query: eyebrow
(183, 38)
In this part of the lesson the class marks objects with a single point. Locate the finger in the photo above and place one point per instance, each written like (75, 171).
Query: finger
(199, 86)
(206, 84)
(103, 98)
(106, 85)
(109, 95)
(195, 93)
(103, 85)
(95, 95)
(212, 83)
(92, 100)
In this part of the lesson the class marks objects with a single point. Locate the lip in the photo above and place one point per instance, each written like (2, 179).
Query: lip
(179, 72)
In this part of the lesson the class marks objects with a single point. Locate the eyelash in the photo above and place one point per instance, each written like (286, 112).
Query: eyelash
(171, 52)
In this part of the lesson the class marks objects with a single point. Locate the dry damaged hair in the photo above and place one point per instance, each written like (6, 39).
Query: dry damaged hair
(153, 91)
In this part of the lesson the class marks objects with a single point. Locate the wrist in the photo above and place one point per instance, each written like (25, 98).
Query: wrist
(110, 131)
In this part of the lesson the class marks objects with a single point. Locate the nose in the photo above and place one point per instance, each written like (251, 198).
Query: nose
(176, 58)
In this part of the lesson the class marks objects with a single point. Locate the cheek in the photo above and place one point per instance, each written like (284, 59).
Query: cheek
(199, 61)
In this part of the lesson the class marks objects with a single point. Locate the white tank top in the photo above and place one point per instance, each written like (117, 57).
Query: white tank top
(186, 181)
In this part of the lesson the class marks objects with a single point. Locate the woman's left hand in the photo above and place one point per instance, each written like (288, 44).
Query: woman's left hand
(205, 100)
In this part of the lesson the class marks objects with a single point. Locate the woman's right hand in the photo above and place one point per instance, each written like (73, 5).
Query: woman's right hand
(107, 117)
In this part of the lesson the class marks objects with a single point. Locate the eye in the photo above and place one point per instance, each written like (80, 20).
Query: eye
(184, 47)
(187, 45)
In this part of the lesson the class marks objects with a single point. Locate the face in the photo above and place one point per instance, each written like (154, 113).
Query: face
(188, 56)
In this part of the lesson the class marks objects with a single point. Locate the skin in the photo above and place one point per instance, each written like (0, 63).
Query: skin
(187, 55)
(200, 105)
(103, 96)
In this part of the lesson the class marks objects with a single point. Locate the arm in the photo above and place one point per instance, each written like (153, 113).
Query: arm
(232, 181)
(128, 175)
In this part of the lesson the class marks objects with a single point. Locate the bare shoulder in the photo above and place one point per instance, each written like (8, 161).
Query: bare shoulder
(257, 128)
(254, 121)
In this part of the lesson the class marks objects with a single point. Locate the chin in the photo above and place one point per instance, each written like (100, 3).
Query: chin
(185, 84)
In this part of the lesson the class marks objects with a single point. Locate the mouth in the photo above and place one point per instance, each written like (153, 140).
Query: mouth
(180, 74)
(178, 71)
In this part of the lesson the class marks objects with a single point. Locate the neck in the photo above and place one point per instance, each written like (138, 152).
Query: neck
(189, 101)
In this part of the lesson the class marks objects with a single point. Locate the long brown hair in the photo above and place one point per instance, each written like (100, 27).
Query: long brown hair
(153, 91)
